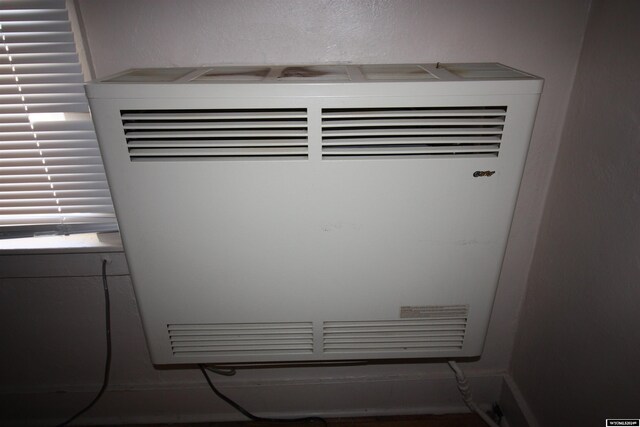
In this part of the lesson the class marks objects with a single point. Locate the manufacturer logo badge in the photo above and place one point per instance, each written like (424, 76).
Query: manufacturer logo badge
(476, 174)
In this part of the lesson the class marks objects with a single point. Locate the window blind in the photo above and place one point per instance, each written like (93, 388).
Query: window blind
(51, 176)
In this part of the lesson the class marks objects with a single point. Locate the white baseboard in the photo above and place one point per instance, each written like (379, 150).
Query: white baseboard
(195, 402)
(514, 406)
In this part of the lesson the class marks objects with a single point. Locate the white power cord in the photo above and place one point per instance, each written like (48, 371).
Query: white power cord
(463, 386)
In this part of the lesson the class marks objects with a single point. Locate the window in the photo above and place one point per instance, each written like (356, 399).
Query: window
(51, 176)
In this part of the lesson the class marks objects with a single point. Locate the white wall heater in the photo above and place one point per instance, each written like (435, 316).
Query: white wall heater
(315, 213)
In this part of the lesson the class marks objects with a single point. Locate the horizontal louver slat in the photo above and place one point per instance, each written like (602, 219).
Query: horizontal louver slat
(423, 140)
(414, 149)
(216, 115)
(214, 125)
(373, 132)
(205, 143)
(251, 134)
(234, 133)
(411, 112)
(410, 123)
(412, 132)
(226, 151)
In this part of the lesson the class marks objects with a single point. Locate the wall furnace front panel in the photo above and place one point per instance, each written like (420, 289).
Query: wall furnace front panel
(278, 220)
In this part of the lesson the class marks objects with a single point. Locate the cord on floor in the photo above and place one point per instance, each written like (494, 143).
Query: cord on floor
(465, 391)
(248, 414)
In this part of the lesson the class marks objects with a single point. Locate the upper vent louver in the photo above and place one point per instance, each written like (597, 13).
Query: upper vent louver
(412, 132)
(239, 134)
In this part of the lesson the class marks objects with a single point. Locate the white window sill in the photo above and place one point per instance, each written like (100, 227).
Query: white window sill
(75, 243)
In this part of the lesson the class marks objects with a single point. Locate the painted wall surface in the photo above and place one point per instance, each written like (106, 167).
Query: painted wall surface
(55, 337)
(579, 342)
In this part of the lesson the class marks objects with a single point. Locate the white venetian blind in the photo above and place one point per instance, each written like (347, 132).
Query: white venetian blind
(51, 175)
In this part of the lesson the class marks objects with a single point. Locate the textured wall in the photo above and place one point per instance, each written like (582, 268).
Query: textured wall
(579, 341)
(541, 37)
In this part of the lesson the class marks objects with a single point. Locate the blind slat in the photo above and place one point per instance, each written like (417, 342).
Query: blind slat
(38, 98)
(53, 170)
(12, 196)
(22, 69)
(68, 122)
(51, 161)
(50, 78)
(41, 58)
(48, 144)
(41, 88)
(30, 26)
(50, 107)
(50, 153)
(31, 4)
(51, 174)
(39, 177)
(42, 186)
(34, 15)
(39, 36)
(44, 135)
(41, 47)
(28, 210)
(24, 226)
(52, 201)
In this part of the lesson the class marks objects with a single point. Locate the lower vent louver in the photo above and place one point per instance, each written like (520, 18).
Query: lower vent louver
(412, 132)
(241, 339)
(239, 134)
(442, 329)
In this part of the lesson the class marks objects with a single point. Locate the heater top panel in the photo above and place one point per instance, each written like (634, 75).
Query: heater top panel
(320, 73)
(479, 78)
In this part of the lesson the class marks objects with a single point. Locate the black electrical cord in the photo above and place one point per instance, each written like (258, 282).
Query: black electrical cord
(227, 372)
(107, 364)
(252, 417)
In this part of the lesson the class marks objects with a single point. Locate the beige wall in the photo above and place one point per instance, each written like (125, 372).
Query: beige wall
(579, 339)
(55, 335)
